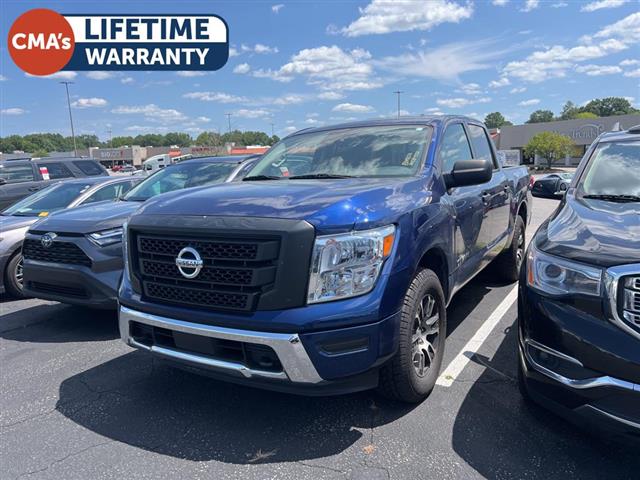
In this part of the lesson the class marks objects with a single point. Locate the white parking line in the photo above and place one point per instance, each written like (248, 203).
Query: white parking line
(455, 368)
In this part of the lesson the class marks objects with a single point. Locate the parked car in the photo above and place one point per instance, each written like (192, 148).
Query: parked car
(76, 256)
(329, 268)
(553, 185)
(579, 302)
(20, 178)
(15, 220)
(128, 169)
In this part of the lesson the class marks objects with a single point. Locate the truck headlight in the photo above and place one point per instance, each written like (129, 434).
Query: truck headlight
(349, 264)
(559, 276)
(104, 238)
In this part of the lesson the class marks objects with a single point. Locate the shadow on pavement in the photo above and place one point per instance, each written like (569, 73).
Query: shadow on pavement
(61, 323)
(501, 436)
(173, 412)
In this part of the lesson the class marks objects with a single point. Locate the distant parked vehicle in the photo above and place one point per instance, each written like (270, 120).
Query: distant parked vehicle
(83, 263)
(20, 178)
(553, 185)
(15, 220)
(128, 169)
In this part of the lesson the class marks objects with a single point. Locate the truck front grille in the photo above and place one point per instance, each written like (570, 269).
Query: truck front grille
(630, 301)
(57, 252)
(233, 276)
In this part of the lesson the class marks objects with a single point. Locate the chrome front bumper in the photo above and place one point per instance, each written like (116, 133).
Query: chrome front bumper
(296, 364)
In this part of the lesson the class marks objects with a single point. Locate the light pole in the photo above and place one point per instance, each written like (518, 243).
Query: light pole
(229, 120)
(73, 134)
(272, 124)
(398, 92)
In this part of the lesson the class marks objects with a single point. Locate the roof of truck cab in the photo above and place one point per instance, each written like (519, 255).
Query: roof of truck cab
(225, 159)
(379, 122)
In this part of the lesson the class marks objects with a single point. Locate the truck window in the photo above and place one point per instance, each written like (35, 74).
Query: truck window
(17, 173)
(56, 170)
(454, 148)
(88, 167)
(481, 145)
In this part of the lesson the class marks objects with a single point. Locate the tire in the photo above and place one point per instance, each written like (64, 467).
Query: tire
(423, 329)
(13, 276)
(508, 263)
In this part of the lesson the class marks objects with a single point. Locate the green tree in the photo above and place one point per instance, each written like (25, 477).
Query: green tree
(606, 107)
(569, 111)
(585, 115)
(117, 142)
(540, 116)
(549, 145)
(179, 139)
(496, 120)
(40, 153)
(209, 139)
(274, 139)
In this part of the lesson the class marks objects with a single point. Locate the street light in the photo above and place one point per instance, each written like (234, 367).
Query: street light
(73, 135)
(398, 92)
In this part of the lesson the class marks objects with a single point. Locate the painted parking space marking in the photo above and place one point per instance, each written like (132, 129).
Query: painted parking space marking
(461, 360)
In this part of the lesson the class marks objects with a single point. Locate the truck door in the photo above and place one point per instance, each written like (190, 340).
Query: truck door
(19, 180)
(465, 202)
(496, 196)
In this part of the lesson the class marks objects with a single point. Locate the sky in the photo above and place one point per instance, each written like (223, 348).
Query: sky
(302, 64)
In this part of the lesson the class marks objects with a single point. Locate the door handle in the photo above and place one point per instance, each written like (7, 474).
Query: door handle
(34, 189)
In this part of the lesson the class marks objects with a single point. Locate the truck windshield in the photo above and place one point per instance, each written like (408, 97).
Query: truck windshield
(613, 172)
(48, 200)
(379, 151)
(179, 176)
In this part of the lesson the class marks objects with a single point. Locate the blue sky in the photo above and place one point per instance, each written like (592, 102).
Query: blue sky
(301, 64)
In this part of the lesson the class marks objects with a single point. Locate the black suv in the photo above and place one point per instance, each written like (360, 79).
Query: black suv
(20, 178)
(579, 303)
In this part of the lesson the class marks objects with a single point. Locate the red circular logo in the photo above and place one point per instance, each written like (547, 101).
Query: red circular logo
(41, 41)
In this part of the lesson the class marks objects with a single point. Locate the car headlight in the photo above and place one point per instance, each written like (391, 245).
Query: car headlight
(558, 276)
(104, 238)
(349, 264)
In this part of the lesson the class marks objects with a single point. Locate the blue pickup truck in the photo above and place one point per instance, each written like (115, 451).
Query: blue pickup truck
(329, 268)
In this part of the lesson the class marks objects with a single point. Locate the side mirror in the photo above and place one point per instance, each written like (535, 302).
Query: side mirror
(3, 181)
(469, 172)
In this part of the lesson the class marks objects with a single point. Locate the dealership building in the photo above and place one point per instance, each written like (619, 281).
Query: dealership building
(582, 131)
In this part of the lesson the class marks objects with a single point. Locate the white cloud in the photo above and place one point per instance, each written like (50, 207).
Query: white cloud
(500, 3)
(219, 97)
(460, 102)
(633, 73)
(352, 107)
(444, 63)
(518, 90)
(559, 5)
(531, 5)
(289, 99)
(64, 75)
(331, 96)
(598, 70)
(382, 16)
(501, 82)
(629, 62)
(470, 89)
(530, 102)
(151, 112)
(258, 48)
(252, 113)
(290, 129)
(100, 75)
(147, 129)
(3, 78)
(277, 8)
(599, 5)
(127, 80)
(89, 102)
(203, 119)
(191, 73)
(13, 111)
(242, 68)
(233, 52)
(626, 30)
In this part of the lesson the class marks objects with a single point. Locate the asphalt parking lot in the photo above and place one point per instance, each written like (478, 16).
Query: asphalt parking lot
(77, 403)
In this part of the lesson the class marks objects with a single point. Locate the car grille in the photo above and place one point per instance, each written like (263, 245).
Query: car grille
(631, 301)
(233, 276)
(58, 252)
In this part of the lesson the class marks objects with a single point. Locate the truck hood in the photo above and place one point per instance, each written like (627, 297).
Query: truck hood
(327, 204)
(11, 222)
(593, 232)
(90, 218)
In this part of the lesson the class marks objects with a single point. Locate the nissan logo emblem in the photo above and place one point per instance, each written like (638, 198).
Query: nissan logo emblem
(47, 239)
(189, 262)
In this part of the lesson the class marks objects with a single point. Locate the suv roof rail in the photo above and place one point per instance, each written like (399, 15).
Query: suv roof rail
(635, 129)
(17, 159)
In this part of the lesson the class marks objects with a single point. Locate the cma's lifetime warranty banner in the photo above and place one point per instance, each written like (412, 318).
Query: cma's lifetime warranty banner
(42, 42)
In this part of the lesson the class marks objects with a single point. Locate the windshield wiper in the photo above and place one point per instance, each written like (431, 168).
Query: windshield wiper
(260, 177)
(319, 175)
(614, 198)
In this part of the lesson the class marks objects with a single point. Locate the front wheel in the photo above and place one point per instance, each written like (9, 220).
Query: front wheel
(13, 276)
(412, 373)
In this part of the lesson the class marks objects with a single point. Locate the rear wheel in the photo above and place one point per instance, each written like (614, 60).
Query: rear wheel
(412, 373)
(13, 276)
(508, 263)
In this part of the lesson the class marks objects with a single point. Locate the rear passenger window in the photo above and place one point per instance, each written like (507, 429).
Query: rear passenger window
(55, 170)
(89, 168)
(481, 145)
(455, 147)
(16, 173)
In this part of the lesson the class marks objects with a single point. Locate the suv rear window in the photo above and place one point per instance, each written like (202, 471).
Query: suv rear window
(89, 168)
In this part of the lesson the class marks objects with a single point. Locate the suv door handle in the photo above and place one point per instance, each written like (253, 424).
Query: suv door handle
(34, 189)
